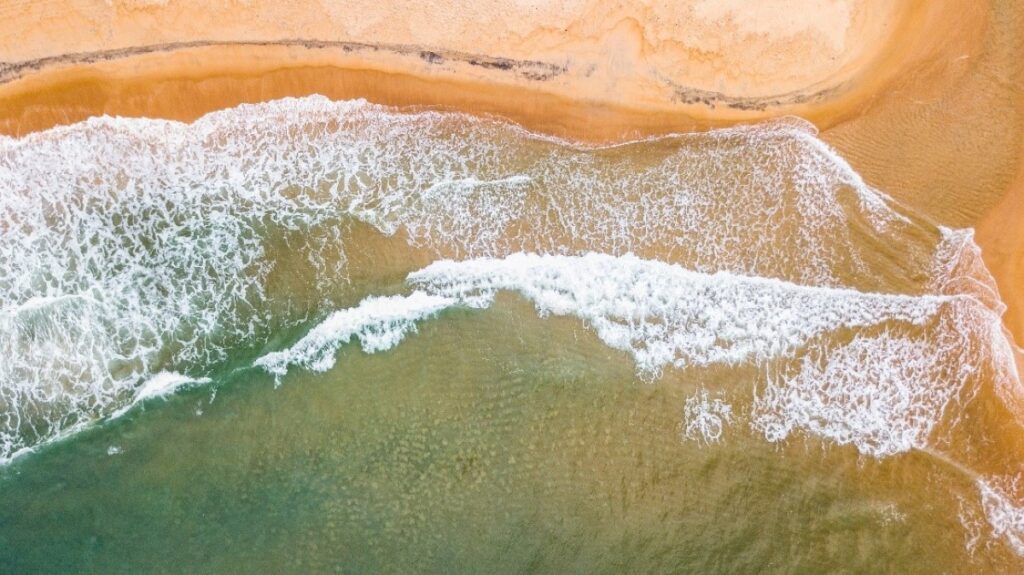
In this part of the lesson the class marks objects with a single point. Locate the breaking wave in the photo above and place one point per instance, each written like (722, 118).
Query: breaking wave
(880, 372)
(136, 254)
(872, 370)
(134, 246)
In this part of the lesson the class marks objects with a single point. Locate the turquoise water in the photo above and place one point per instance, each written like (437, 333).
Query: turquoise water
(310, 336)
(540, 458)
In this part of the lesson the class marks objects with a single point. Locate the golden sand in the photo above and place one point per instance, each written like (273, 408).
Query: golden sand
(923, 97)
(593, 69)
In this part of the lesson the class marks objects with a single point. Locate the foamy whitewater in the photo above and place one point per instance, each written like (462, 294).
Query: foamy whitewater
(136, 254)
(664, 315)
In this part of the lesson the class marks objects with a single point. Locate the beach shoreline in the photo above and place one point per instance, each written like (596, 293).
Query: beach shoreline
(586, 71)
(611, 72)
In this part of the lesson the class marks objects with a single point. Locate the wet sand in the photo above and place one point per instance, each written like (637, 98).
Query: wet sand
(948, 140)
(923, 98)
(1002, 238)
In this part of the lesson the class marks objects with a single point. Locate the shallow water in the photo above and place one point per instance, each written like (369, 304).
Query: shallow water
(313, 335)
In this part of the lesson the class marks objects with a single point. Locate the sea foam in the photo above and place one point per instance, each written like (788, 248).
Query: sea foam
(872, 370)
(704, 418)
(1005, 518)
(135, 251)
(379, 323)
(134, 246)
(880, 372)
(160, 385)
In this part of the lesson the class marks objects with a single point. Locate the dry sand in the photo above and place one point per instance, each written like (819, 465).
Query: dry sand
(923, 96)
(595, 69)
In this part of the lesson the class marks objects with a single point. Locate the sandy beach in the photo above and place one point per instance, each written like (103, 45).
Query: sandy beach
(593, 70)
(912, 85)
(321, 322)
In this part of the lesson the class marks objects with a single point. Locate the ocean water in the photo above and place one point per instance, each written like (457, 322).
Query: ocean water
(307, 336)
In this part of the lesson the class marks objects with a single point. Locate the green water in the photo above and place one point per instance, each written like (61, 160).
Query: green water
(491, 441)
(707, 353)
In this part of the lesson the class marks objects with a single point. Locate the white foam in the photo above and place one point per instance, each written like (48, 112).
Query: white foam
(726, 199)
(663, 314)
(705, 419)
(883, 390)
(1004, 517)
(379, 323)
(160, 385)
(165, 227)
(883, 393)
(957, 268)
(876, 371)
(164, 224)
(134, 250)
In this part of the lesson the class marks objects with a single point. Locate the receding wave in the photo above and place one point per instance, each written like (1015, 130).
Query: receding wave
(134, 246)
(137, 256)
